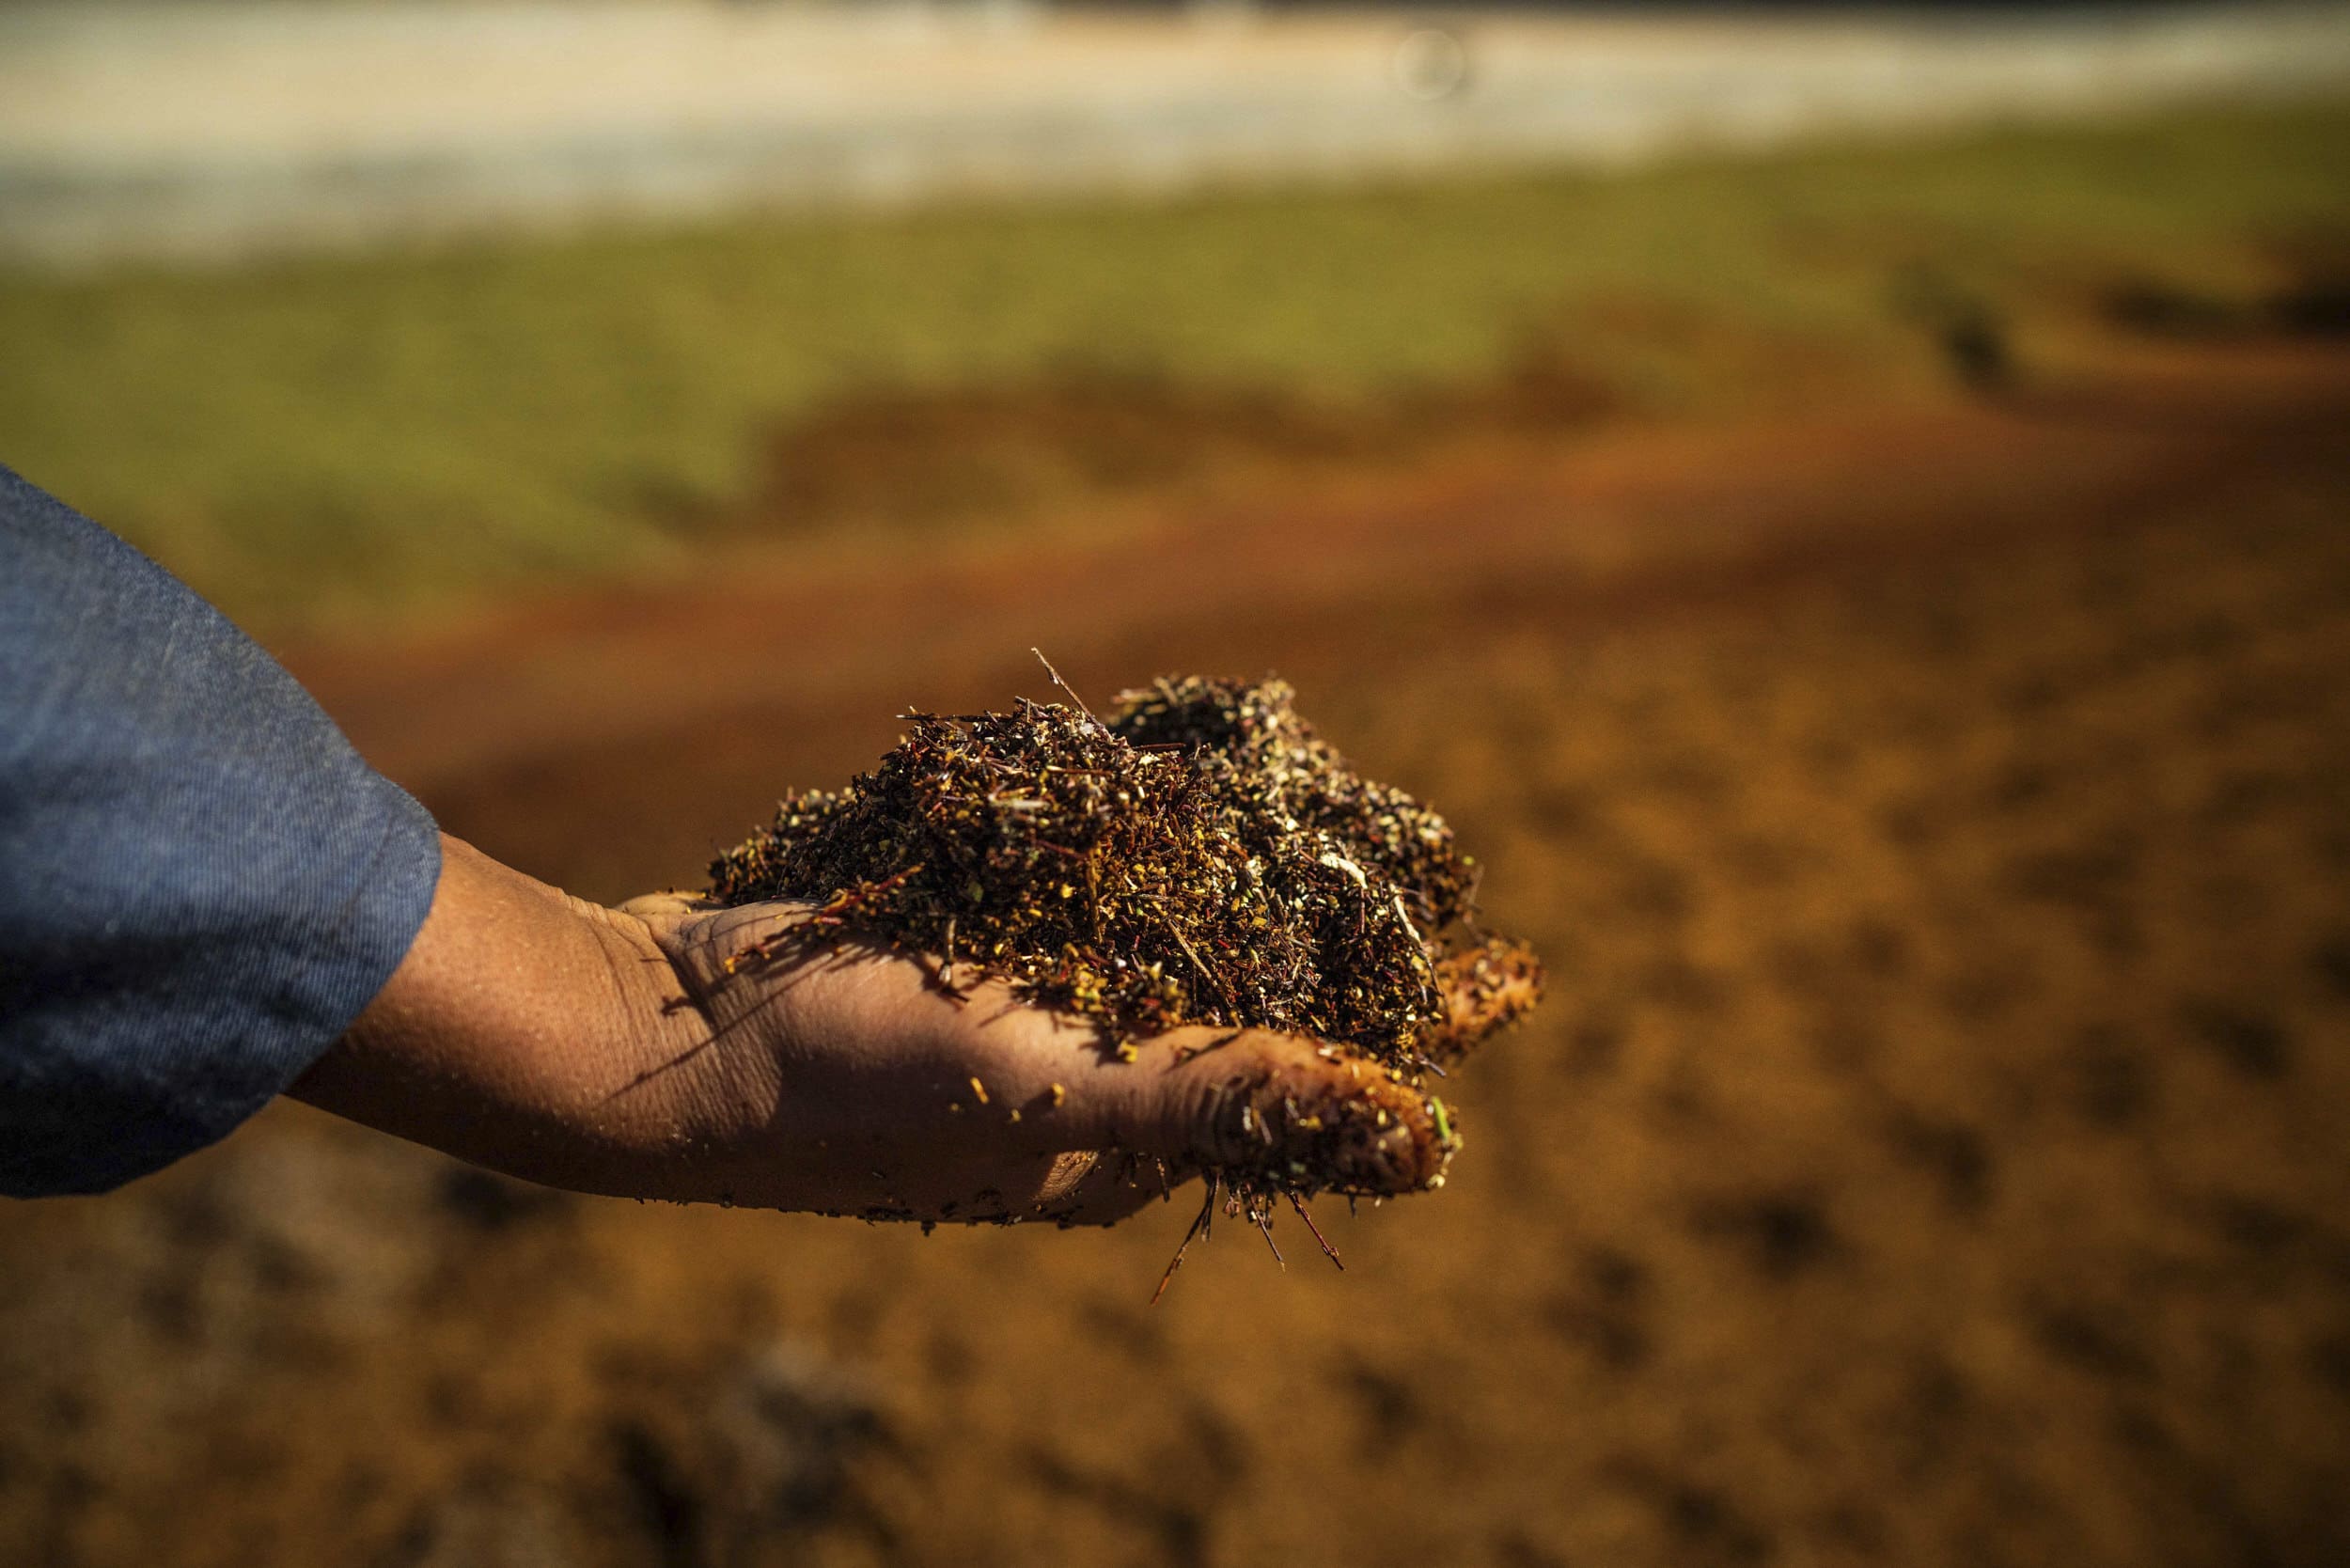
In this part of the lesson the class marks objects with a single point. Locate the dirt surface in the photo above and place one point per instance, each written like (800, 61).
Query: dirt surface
(1937, 822)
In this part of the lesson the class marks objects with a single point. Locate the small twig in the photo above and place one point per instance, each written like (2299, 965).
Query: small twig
(1303, 1213)
(1067, 687)
(1205, 973)
(1198, 1223)
(1263, 1213)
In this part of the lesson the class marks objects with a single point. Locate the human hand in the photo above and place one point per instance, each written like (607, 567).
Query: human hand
(675, 1049)
(842, 1077)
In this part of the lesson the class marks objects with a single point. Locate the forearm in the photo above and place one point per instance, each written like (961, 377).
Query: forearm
(525, 1031)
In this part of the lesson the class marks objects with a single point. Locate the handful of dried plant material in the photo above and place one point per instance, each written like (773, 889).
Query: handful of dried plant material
(1201, 857)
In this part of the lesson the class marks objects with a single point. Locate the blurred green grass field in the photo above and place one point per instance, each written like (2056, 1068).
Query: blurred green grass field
(356, 440)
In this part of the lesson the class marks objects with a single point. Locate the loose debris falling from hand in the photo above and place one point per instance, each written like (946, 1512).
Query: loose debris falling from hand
(1200, 857)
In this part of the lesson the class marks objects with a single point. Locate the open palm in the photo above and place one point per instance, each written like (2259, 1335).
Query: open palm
(843, 1077)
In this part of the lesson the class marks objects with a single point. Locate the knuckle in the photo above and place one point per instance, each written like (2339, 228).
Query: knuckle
(1218, 1115)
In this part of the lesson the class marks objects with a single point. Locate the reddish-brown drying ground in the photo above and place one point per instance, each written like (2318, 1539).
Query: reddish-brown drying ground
(1938, 824)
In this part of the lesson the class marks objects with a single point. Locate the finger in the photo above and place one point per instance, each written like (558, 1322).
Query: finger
(1486, 988)
(1070, 1187)
(663, 910)
(1105, 1188)
(1306, 1114)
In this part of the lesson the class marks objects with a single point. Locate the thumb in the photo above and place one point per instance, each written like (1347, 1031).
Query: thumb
(1252, 1102)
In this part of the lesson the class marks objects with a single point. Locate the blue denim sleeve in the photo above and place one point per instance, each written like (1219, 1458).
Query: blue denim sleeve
(201, 883)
